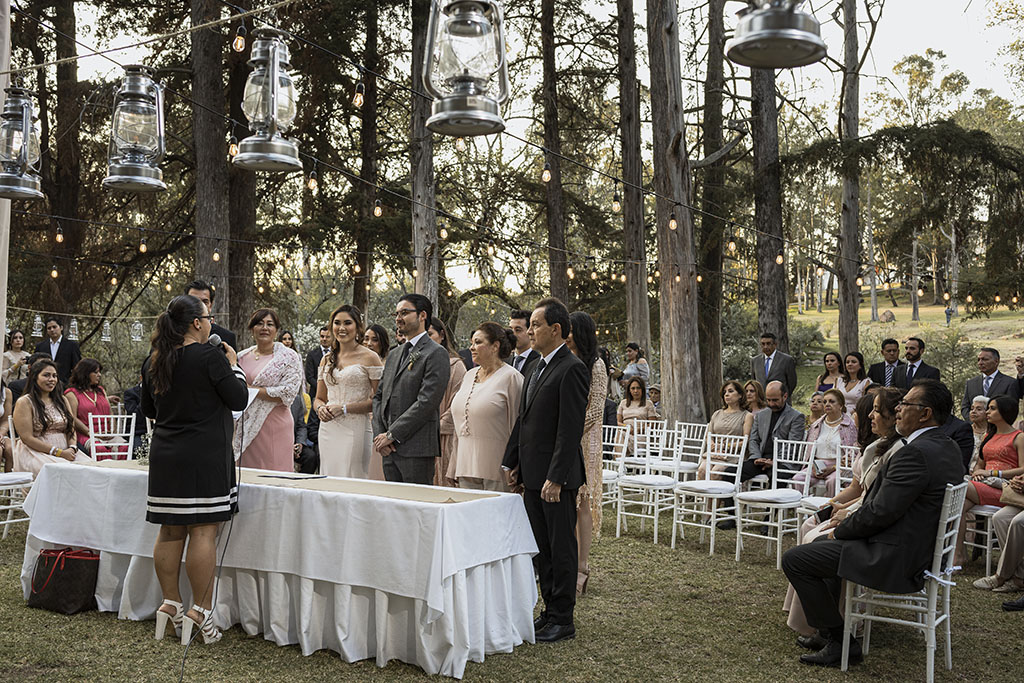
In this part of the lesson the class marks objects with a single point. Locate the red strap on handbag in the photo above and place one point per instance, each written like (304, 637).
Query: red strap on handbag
(59, 555)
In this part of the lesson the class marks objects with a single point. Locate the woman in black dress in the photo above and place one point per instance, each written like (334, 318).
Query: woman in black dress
(190, 388)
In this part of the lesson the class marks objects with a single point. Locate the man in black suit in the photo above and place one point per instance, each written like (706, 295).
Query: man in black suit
(884, 373)
(915, 368)
(17, 387)
(889, 541)
(544, 455)
(990, 382)
(206, 293)
(314, 357)
(525, 357)
(65, 353)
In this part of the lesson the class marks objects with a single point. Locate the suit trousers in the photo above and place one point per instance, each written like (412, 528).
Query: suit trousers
(813, 569)
(1009, 527)
(557, 562)
(750, 470)
(308, 460)
(408, 470)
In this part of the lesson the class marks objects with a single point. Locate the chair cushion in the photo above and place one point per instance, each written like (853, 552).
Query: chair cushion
(706, 486)
(770, 496)
(985, 510)
(653, 480)
(814, 502)
(759, 479)
(688, 467)
(609, 476)
(15, 478)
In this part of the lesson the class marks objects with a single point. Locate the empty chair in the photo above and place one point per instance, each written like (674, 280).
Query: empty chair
(614, 444)
(703, 503)
(13, 487)
(647, 493)
(112, 436)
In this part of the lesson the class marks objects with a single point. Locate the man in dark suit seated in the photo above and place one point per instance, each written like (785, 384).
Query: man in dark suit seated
(64, 352)
(888, 543)
(884, 373)
(915, 368)
(206, 293)
(545, 457)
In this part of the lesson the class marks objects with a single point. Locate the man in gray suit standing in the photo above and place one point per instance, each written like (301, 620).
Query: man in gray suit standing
(772, 364)
(780, 421)
(406, 424)
(990, 382)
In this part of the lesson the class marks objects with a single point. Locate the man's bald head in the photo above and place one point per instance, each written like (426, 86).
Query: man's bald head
(775, 394)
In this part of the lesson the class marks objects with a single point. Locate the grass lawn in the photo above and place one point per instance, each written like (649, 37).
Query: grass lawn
(651, 613)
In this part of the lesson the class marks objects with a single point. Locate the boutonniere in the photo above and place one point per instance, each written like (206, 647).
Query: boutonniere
(413, 357)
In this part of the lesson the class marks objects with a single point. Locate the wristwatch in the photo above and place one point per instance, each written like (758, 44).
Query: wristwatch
(391, 437)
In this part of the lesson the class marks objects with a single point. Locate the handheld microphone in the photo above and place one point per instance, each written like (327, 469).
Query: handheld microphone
(215, 340)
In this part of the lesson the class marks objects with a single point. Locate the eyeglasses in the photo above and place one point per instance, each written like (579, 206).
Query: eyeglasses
(404, 312)
(204, 317)
(904, 404)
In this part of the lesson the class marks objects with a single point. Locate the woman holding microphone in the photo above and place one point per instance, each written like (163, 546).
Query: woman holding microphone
(190, 388)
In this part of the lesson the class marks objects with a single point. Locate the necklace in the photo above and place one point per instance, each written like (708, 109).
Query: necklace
(92, 398)
(833, 424)
(256, 353)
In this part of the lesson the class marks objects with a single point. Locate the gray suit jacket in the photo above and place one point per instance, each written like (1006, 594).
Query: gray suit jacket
(790, 426)
(783, 369)
(1001, 384)
(409, 396)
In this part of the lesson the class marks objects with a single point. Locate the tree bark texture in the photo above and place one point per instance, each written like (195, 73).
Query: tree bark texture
(421, 160)
(771, 277)
(680, 345)
(712, 190)
(241, 204)
(638, 308)
(208, 130)
(368, 169)
(849, 222)
(553, 192)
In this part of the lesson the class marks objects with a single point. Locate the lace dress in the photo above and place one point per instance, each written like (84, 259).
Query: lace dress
(346, 441)
(28, 460)
(590, 493)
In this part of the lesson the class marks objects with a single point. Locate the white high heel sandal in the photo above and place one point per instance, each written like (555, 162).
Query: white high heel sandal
(163, 618)
(210, 633)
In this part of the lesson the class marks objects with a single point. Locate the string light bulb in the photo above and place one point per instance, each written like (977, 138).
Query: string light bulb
(700, 278)
(334, 289)
(545, 175)
(53, 272)
(216, 253)
(679, 278)
(233, 147)
(59, 237)
(593, 275)
(443, 233)
(367, 288)
(732, 244)
(945, 296)
(260, 289)
(622, 278)
(460, 144)
(860, 282)
(238, 44)
(650, 279)
(998, 298)
(490, 250)
(672, 222)
(415, 272)
(357, 268)
(820, 271)
(142, 245)
(1013, 299)
(298, 291)
(570, 272)
(449, 292)
(378, 210)
(920, 291)
(311, 182)
(970, 298)
(657, 273)
(113, 280)
(358, 97)
(780, 258)
(167, 286)
(616, 200)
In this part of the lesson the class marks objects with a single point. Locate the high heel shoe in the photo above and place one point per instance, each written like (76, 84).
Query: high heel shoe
(210, 633)
(163, 618)
(582, 577)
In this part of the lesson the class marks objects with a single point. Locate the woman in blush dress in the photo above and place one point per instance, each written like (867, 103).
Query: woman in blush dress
(265, 431)
(43, 422)
(439, 333)
(346, 382)
(732, 419)
(854, 382)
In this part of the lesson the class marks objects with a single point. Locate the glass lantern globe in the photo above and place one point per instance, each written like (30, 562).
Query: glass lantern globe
(465, 53)
(73, 329)
(269, 102)
(19, 162)
(137, 134)
(775, 35)
(105, 334)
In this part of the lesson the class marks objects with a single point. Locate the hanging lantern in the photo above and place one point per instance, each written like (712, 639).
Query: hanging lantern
(37, 326)
(465, 51)
(73, 329)
(267, 149)
(105, 332)
(19, 162)
(775, 35)
(137, 134)
(136, 331)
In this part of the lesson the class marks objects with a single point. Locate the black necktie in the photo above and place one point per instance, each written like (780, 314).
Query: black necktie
(405, 353)
(910, 375)
(532, 389)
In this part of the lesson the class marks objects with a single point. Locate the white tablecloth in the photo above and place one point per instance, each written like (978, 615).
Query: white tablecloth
(429, 583)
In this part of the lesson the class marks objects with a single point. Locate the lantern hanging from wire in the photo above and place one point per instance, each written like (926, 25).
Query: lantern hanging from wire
(137, 142)
(136, 331)
(267, 149)
(105, 332)
(73, 329)
(19, 162)
(37, 326)
(775, 34)
(465, 53)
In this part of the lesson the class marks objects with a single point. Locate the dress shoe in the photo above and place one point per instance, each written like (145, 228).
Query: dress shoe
(727, 524)
(540, 622)
(832, 654)
(812, 642)
(552, 633)
(1014, 605)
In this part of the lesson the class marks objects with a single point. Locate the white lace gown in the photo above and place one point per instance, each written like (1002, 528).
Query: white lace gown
(346, 441)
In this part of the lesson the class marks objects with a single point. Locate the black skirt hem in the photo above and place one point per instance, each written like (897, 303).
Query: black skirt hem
(171, 519)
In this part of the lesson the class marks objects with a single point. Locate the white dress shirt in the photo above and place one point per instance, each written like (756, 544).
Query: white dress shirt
(547, 360)
(54, 345)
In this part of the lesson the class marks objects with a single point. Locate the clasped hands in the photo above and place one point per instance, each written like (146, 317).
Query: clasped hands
(326, 412)
(383, 445)
(1017, 483)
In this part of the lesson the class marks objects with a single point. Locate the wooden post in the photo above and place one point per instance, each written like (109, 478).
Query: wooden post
(421, 162)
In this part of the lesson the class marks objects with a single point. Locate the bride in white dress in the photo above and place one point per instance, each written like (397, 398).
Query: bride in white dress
(346, 382)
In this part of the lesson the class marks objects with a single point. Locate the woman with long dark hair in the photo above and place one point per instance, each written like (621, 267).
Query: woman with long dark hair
(376, 339)
(44, 422)
(437, 331)
(86, 396)
(15, 361)
(582, 341)
(833, 374)
(190, 388)
(855, 380)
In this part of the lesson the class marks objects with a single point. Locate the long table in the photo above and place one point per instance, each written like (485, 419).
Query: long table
(430, 576)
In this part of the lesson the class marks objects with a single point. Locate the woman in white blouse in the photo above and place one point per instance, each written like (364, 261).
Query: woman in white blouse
(485, 409)
(854, 382)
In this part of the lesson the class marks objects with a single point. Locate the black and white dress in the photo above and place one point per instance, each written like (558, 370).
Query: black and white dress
(191, 465)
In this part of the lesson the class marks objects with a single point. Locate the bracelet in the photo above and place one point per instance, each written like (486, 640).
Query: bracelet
(52, 449)
(344, 409)
(995, 473)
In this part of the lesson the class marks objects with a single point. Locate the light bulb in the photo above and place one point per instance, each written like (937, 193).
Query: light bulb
(357, 99)
(616, 203)
(700, 278)
(415, 272)
(490, 250)
(732, 245)
(216, 254)
(311, 183)
(920, 291)
(460, 144)
(238, 44)
(657, 273)
(378, 210)
(970, 297)
(113, 280)
(672, 222)
(945, 296)
(449, 292)
(622, 278)
(60, 235)
(1013, 299)
(298, 291)
(679, 277)
(998, 298)
(334, 289)
(53, 272)
(570, 272)
(444, 233)
(820, 271)
(545, 175)
(885, 286)
(142, 246)
(526, 262)
(367, 288)
(357, 268)
(650, 279)
(780, 259)
(593, 275)
(167, 287)
(233, 147)
(260, 289)
(860, 282)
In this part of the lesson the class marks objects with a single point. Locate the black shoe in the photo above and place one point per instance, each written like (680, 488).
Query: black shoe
(1014, 605)
(813, 642)
(832, 654)
(552, 633)
(765, 531)
(727, 524)
(540, 622)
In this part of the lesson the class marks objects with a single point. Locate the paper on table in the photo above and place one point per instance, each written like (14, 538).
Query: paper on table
(235, 414)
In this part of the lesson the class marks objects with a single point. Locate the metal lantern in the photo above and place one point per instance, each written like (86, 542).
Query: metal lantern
(19, 163)
(37, 326)
(137, 142)
(776, 35)
(267, 149)
(105, 332)
(73, 329)
(465, 51)
(136, 331)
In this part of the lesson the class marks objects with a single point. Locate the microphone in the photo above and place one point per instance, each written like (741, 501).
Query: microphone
(215, 340)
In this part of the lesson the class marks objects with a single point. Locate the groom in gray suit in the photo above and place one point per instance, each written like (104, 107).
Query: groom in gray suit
(780, 421)
(406, 424)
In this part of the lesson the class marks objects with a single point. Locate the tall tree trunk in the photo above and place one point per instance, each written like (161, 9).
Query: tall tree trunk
(933, 255)
(421, 160)
(368, 169)
(638, 308)
(208, 131)
(241, 203)
(914, 280)
(552, 143)
(771, 277)
(849, 223)
(680, 344)
(954, 270)
(872, 276)
(712, 189)
(830, 286)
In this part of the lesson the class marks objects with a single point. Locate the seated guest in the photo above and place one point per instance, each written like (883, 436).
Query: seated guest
(1009, 528)
(306, 459)
(15, 365)
(816, 408)
(854, 382)
(86, 396)
(654, 391)
(636, 405)
(889, 541)
(882, 421)
(732, 419)
(979, 428)
(780, 421)
(834, 429)
(17, 387)
(610, 413)
(990, 382)
(753, 391)
(833, 374)
(862, 419)
(44, 422)
(1002, 458)
(6, 447)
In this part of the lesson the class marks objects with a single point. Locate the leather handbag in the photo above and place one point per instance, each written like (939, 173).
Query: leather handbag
(1011, 497)
(64, 580)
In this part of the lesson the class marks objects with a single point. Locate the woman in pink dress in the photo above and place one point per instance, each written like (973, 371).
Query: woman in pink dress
(265, 431)
(86, 397)
(439, 333)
